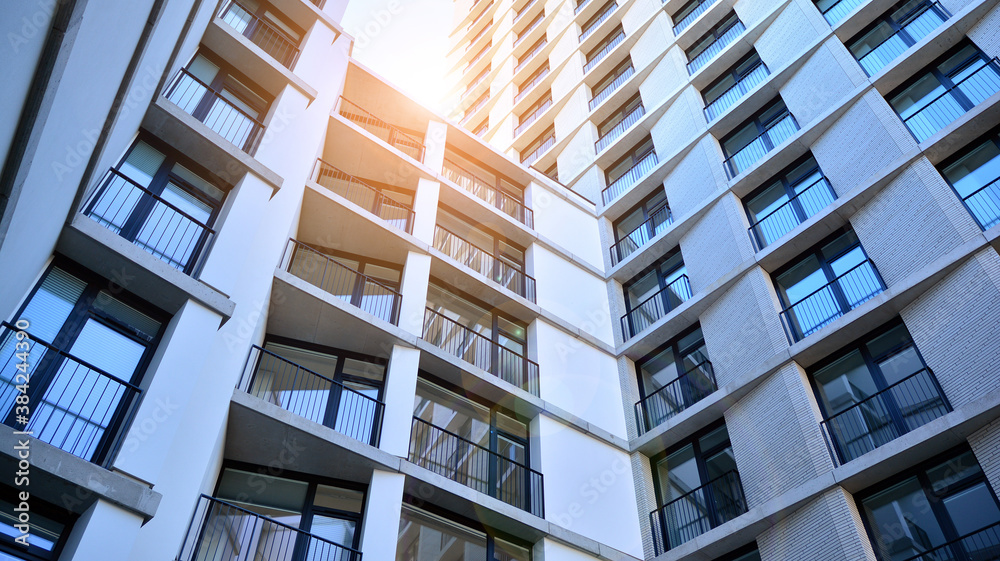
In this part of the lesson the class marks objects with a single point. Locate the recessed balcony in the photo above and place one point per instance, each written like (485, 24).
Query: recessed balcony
(698, 511)
(753, 151)
(606, 92)
(629, 178)
(260, 32)
(484, 263)
(796, 210)
(364, 195)
(488, 191)
(658, 221)
(845, 292)
(650, 310)
(213, 109)
(690, 387)
(388, 133)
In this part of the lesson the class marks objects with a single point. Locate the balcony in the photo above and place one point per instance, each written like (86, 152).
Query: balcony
(753, 151)
(597, 23)
(793, 212)
(484, 263)
(692, 15)
(480, 16)
(524, 89)
(260, 32)
(580, 6)
(717, 46)
(878, 419)
(449, 455)
(623, 183)
(656, 223)
(617, 40)
(698, 511)
(524, 9)
(479, 80)
(211, 108)
(605, 93)
(531, 27)
(478, 56)
(830, 301)
(367, 197)
(982, 544)
(150, 222)
(312, 396)
(655, 307)
(544, 147)
(984, 204)
(952, 103)
(222, 530)
(393, 136)
(478, 36)
(333, 277)
(918, 24)
(734, 93)
(479, 105)
(839, 9)
(524, 60)
(687, 389)
(474, 348)
(622, 126)
(489, 192)
(527, 120)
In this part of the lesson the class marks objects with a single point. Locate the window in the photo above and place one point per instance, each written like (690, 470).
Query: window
(748, 553)
(672, 378)
(712, 42)
(788, 200)
(159, 201)
(532, 113)
(48, 528)
(949, 88)
(724, 92)
(654, 292)
(539, 146)
(617, 122)
(757, 136)
(391, 203)
(974, 174)
(835, 10)
(629, 161)
(943, 509)
(88, 349)
(265, 27)
(532, 81)
(825, 283)
(640, 225)
(688, 12)
(875, 391)
(597, 19)
(483, 250)
(427, 536)
(611, 82)
(895, 31)
(603, 48)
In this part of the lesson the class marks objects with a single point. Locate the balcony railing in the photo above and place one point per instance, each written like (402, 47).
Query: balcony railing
(830, 301)
(84, 410)
(604, 52)
(150, 222)
(775, 224)
(260, 32)
(527, 120)
(478, 36)
(720, 43)
(728, 98)
(524, 9)
(476, 349)
(640, 236)
(479, 80)
(627, 121)
(839, 9)
(984, 204)
(918, 24)
(942, 110)
(684, 391)
(692, 15)
(489, 192)
(655, 307)
(527, 31)
(524, 60)
(878, 419)
(580, 6)
(600, 96)
(623, 183)
(478, 56)
(484, 263)
(480, 16)
(392, 135)
(698, 511)
(981, 545)
(329, 275)
(751, 152)
(597, 23)
(312, 396)
(223, 530)
(479, 105)
(449, 455)
(544, 147)
(364, 195)
(210, 107)
(525, 88)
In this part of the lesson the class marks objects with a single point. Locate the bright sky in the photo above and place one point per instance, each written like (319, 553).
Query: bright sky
(405, 41)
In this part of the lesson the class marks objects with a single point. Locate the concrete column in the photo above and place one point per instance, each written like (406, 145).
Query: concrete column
(425, 204)
(416, 278)
(400, 388)
(382, 510)
(104, 531)
(434, 145)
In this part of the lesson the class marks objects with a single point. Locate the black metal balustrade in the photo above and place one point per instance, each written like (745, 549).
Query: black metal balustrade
(364, 195)
(604, 52)
(222, 530)
(392, 135)
(333, 277)
(150, 222)
(260, 32)
(605, 93)
(830, 301)
(484, 263)
(476, 349)
(489, 192)
(211, 108)
(698, 511)
(655, 307)
(981, 545)
(597, 23)
(751, 152)
(880, 418)
(757, 74)
(627, 179)
(919, 23)
(944, 108)
(692, 15)
(544, 147)
(312, 396)
(720, 43)
(838, 10)
(984, 204)
(775, 224)
(641, 235)
(627, 121)
(690, 387)
(459, 459)
(74, 405)
(527, 120)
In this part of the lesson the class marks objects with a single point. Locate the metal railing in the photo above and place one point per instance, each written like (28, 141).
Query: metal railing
(627, 121)
(757, 74)
(484, 263)
(775, 224)
(147, 220)
(476, 349)
(698, 511)
(640, 236)
(545, 146)
(526, 58)
(627, 179)
(688, 388)
(981, 545)
(880, 418)
(475, 466)
(391, 134)
(945, 107)
(480, 16)
(83, 410)
(651, 309)
(343, 282)
(312, 396)
(479, 56)
(478, 37)
(531, 26)
(479, 105)
(617, 40)
(223, 530)
(751, 152)
(597, 23)
(919, 23)
(260, 32)
(527, 120)
(692, 15)
(479, 80)
(838, 10)
(720, 43)
(524, 9)
(984, 204)
(605, 93)
(527, 87)
(830, 301)
(489, 192)
(209, 106)
(579, 7)
(364, 195)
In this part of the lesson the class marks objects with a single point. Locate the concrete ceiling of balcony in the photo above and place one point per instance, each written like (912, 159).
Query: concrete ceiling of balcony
(384, 100)
(357, 155)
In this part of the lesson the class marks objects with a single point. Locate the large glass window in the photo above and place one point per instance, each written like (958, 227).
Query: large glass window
(713, 41)
(724, 92)
(895, 31)
(482, 250)
(974, 174)
(757, 136)
(787, 201)
(424, 536)
(266, 27)
(640, 225)
(368, 283)
(673, 378)
(654, 292)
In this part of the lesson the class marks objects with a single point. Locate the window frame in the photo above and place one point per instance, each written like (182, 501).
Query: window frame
(894, 25)
(733, 72)
(674, 346)
(762, 126)
(717, 31)
(491, 533)
(661, 278)
(227, 75)
(692, 440)
(618, 115)
(647, 213)
(44, 508)
(788, 186)
(991, 136)
(634, 155)
(499, 240)
(494, 313)
(608, 39)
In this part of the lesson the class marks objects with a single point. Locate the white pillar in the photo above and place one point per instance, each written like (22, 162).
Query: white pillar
(425, 204)
(413, 288)
(400, 388)
(384, 504)
(105, 532)
(434, 145)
